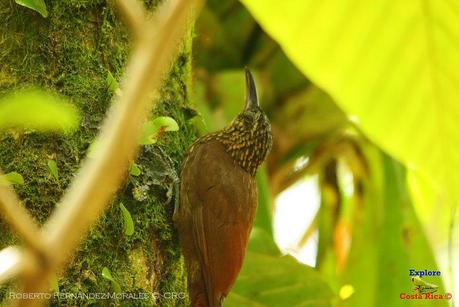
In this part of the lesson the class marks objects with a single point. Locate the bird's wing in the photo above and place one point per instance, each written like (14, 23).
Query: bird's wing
(200, 243)
(222, 221)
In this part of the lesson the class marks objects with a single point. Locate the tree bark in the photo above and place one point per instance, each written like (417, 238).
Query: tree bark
(72, 52)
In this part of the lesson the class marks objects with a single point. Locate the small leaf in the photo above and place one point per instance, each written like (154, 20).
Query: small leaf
(108, 276)
(36, 5)
(53, 169)
(153, 128)
(35, 109)
(111, 82)
(11, 178)
(128, 222)
(166, 122)
(134, 170)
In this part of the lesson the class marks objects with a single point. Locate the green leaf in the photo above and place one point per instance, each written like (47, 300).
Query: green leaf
(134, 170)
(431, 211)
(53, 169)
(392, 66)
(36, 5)
(261, 241)
(11, 178)
(268, 279)
(263, 218)
(35, 109)
(111, 82)
(108, 276)
(128, 222)
(152, 129)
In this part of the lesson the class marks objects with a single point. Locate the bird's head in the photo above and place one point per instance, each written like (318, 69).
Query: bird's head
(248, 137)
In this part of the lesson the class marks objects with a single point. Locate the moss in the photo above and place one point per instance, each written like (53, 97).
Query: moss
(71, 52)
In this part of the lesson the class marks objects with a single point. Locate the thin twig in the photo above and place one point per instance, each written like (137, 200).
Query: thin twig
(134, 16)
(19, 218)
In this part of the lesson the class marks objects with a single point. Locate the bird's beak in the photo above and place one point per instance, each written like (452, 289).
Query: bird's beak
(251, 99)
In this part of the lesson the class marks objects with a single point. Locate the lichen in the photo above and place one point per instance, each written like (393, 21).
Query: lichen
(71, 53)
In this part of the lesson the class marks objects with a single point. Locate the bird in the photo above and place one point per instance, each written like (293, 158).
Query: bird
(218, 200)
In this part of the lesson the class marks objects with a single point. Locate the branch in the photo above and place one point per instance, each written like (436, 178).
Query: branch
(15, 262)
(19, 219)
(134, 16)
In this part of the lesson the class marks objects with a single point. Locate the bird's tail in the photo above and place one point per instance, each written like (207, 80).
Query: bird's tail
(200, 300)
(200, 296)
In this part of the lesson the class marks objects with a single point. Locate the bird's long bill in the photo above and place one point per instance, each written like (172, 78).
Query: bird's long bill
(251, 98)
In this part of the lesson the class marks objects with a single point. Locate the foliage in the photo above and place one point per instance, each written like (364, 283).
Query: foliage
(108, 276)
(153, 129)
(369, 69)
(134, 169)
(269, 279)
(35, 109)
(387, 239)
(11, 178)
(128, 222)
(392, 66)
(52, 166)
(36, 5)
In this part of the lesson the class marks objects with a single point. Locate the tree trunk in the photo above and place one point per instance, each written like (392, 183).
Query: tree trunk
(72, 52)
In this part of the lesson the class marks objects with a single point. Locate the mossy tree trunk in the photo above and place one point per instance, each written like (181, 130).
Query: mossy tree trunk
(72, 52)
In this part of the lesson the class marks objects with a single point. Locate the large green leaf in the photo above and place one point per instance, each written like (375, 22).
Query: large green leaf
(35, 109)
(269, 279)
(393, 66)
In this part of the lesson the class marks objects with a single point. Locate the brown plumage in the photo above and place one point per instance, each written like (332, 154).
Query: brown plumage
(218, 201)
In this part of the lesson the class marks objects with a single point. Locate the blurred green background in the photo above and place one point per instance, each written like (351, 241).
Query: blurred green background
(362, 97)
